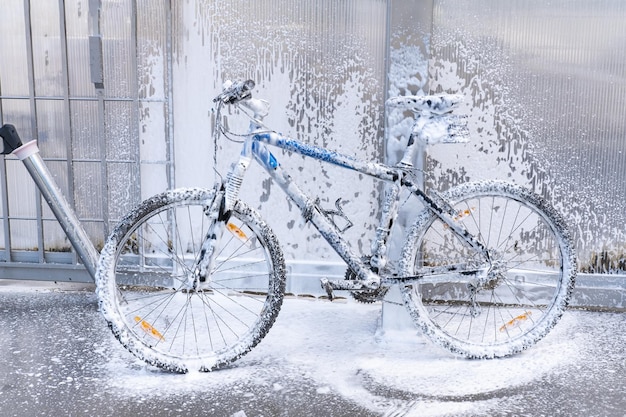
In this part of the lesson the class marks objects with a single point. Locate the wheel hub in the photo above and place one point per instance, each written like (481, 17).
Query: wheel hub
(495, 275)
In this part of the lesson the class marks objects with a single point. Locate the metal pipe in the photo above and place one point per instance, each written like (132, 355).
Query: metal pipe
(29, 155)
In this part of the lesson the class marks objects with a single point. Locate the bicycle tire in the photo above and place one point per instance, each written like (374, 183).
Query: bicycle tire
(536, 270)
(141, 283)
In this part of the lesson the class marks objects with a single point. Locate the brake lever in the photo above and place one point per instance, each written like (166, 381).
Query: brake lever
(235, 92)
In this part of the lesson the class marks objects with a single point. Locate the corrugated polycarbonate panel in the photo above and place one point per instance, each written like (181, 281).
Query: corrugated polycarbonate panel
(13, 71)
(18, 113)
(545, 84)
(23, 234)
(44, 83)
(55, 239)
(121, 130)
(47, 54)
(86, 135)
(117, 25)
(20, 192)
(120, 190)
(53, 129)
(154, 84)
(152, 51)
(88, 198)
(407, 73)
(77, 40)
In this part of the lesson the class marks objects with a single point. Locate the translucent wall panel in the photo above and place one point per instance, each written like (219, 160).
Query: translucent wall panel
(18, 113)
(22, 207)
(53, 130)
(117, 25)
(24, 234)
(88, 199)
(13, 44)
(39, 42)
(154, 90)
(122, 190)
(86, 134)
(152, 49)
(21, 194)
(154, 149)
(50, 78)
(121, 129)
(544, 83)
(77, 42)
(546, 91)
(54, 237)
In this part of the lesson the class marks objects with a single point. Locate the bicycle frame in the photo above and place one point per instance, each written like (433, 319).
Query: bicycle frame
(369, 276)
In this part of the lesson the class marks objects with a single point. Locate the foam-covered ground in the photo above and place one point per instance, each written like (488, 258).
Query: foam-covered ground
(57, 357)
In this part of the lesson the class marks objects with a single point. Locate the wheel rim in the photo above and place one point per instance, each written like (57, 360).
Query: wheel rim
(217, 321)
(512, 307)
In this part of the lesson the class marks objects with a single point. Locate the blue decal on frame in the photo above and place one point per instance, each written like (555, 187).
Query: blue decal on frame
(264, 156)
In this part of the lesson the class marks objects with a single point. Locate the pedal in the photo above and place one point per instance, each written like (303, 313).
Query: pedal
(326, 285)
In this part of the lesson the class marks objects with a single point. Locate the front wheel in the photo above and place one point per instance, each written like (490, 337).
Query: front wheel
(499, 304)
(148, 262)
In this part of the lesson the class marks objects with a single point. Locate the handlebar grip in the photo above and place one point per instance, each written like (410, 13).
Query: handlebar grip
(10, 138)
(236, 92)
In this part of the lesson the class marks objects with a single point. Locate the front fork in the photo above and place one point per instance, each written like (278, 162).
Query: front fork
(218, 214)
(200, 272)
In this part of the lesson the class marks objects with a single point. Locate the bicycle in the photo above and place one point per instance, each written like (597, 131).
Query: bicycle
(486, 271)
(193, 279)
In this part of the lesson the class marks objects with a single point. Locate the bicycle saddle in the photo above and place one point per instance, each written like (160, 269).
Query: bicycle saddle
(438, 104)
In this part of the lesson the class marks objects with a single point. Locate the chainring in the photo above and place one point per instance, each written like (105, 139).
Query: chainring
(366, 296)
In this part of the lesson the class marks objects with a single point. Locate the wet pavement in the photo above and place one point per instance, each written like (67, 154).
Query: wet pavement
(57, 357)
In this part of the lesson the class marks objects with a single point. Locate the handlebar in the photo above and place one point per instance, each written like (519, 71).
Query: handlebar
(235, 92)
(10, 139)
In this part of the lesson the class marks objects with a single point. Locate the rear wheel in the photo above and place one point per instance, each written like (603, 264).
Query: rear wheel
(518, 293)
(144, 292)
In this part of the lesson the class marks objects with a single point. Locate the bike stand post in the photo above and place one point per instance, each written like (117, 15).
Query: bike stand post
(394, 315)
(29, 155)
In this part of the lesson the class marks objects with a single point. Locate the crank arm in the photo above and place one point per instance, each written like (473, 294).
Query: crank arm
(346, 285)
